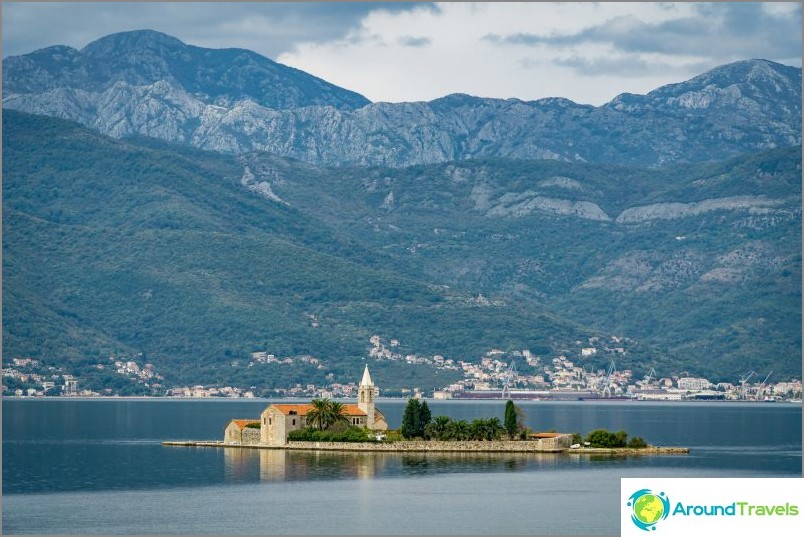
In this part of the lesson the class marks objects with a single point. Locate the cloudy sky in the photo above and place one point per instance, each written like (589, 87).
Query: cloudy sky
(588, 52)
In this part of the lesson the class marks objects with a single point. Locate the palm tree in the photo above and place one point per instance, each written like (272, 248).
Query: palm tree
(326, 413)
(319, 415)
(439, 428)
(494, 429)
(488, 429)
(337, 414)
(477, 429)
(459, 430)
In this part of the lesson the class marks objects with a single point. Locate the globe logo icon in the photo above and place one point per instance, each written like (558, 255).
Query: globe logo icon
(648, 508)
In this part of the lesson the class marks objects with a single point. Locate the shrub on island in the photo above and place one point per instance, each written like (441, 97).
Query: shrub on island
(255, 425)
(601, 438)
(351, 434)
(637, 442)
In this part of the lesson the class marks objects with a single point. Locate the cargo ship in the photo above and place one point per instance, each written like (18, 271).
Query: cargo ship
(531, 395)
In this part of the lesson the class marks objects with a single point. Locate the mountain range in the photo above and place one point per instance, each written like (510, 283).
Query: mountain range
(139, 221)
(147, 83)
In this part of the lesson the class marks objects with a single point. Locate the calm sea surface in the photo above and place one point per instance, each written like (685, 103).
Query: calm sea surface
(96, 466)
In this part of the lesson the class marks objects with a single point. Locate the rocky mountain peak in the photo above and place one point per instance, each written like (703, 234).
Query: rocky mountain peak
(745, 86)
(145, 57)
(124, 43)
(56, 51)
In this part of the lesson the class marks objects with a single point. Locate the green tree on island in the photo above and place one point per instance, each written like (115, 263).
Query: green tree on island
(459, 430)
(410, 419)
(486, 429)
(325, 413)
(337, 413)
(416, 417)
(606, 439)
(511, 422)
(424, 417)
(439, 428)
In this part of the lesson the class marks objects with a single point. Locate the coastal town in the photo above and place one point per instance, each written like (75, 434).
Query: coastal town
(517, 374)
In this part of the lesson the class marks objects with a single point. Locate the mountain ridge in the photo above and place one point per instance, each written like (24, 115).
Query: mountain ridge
(146, 57)
(160, 90)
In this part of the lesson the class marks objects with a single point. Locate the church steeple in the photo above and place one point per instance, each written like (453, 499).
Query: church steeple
(365, 397)
(366, 378)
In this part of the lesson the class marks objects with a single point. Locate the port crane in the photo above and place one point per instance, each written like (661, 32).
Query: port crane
(508, 380)
(743, 380)
(645, 382)
(605, 385)
(761, 388)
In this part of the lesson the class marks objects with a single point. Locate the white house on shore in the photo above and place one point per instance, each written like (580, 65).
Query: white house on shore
(278, 420)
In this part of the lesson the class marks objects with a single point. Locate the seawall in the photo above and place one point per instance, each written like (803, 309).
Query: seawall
(559, 444)
(543, 445)
(650, 450)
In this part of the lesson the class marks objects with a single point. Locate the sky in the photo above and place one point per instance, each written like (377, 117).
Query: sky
(587, 52)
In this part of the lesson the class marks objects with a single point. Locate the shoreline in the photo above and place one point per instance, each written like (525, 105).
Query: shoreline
(387, 399)
(438, 447)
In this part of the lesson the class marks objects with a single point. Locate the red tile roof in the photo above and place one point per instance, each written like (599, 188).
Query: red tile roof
(545, 435)
(301, 410)
(242, 423)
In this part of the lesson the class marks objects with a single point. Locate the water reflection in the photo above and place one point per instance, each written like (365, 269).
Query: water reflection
(271, 465)
(52, 446)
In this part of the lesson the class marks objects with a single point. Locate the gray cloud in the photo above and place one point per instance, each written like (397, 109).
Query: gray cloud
(628, 66)
(410, 41)
(721, 31)
(518, 39)
(267, 28)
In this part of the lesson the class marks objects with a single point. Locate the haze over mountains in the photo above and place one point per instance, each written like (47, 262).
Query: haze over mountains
(456, 226)
(231, 100)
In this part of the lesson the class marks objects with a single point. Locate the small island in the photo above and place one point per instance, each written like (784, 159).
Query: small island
(326, 425)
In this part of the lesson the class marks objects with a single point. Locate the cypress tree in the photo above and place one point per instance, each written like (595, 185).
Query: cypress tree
(424, 418)
(410, 420)
(510, 423)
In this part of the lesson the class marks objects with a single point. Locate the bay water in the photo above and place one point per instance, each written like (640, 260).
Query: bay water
(97, 467)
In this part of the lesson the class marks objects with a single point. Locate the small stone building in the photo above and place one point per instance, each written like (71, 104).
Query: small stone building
(238, 432)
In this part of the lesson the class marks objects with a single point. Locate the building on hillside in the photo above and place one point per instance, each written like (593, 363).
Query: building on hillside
(278, 420)
(239, 432)
(693, 384)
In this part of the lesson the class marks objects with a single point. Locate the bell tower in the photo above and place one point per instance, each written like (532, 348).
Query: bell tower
(365, 397)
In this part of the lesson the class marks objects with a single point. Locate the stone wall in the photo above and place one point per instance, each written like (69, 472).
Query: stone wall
(559, 443)
(251, 436)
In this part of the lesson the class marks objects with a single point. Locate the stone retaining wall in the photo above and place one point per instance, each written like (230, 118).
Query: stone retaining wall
(559, 443)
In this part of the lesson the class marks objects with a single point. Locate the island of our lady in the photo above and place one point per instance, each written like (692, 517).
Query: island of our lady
(278, 420)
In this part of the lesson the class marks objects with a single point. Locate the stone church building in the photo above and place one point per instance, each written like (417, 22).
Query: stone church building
(277, 420)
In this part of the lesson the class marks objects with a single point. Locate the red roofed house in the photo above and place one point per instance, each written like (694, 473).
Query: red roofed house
(278, 420)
